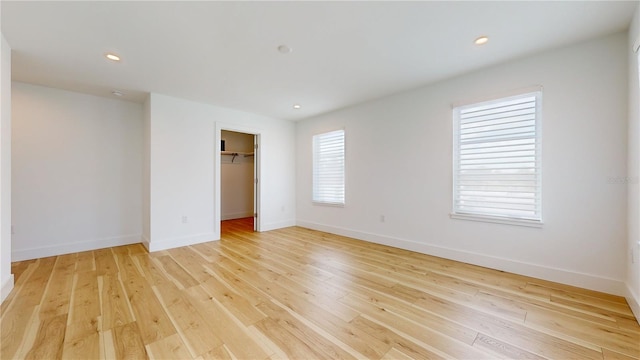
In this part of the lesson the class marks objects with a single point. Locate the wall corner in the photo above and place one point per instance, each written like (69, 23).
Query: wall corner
(6, 279)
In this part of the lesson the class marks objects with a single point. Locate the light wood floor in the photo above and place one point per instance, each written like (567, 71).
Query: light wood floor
(301, 294)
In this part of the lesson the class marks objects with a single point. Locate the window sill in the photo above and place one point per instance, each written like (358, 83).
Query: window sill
(498, 220)
(316, 203)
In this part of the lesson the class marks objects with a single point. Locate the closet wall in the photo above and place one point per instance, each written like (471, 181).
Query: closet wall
(236, 176)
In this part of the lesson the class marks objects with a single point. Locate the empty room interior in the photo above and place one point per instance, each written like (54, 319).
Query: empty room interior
(320, 180)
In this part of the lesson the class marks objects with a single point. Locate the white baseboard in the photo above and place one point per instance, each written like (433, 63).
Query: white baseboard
(634, 302)
(7, 286)
(68, 248)
(277, 225)
(564, 276)
(238, 215)
(164, 244)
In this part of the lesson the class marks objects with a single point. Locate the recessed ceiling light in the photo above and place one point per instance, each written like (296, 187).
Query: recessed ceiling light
(284, 49)
(296, 106)
(117, 93)
(481, 40)
(112, 57)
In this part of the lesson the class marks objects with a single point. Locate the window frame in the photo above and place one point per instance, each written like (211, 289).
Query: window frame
(510, 219)
(318, 201)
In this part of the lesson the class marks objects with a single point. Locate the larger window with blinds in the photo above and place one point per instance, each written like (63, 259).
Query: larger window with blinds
(497, 160)
(328, 168)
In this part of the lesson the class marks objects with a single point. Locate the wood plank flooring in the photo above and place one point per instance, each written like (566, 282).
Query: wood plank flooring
(300, 294)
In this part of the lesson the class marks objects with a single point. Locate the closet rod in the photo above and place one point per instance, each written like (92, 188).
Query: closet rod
(234, 154)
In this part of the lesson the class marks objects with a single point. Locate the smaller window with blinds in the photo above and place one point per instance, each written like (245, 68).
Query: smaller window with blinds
(328, 168)
(496, 170)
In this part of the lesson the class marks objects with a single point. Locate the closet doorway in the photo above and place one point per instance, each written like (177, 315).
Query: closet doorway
(238, 180)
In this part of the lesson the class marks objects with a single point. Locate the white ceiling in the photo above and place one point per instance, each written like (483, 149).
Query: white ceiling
(225, 53)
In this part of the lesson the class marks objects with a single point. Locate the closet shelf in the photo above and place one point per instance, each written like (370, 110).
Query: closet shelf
(236, 153)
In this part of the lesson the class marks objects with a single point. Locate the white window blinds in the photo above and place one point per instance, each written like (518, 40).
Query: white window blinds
(497, 158)
(328, 168)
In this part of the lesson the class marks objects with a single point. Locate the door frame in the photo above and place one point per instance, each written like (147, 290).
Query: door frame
(256, 173)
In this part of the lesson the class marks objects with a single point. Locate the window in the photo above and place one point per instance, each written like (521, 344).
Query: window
(496, 171)
(328, 168)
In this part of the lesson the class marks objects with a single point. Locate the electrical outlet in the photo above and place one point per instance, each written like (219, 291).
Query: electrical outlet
(185, 219)
(382, 218)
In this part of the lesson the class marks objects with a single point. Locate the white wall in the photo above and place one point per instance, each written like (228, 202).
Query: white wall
(633, 204)
(236, 177)
(399, 164)
(77, 172)
(185, 139)
(6, 278)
